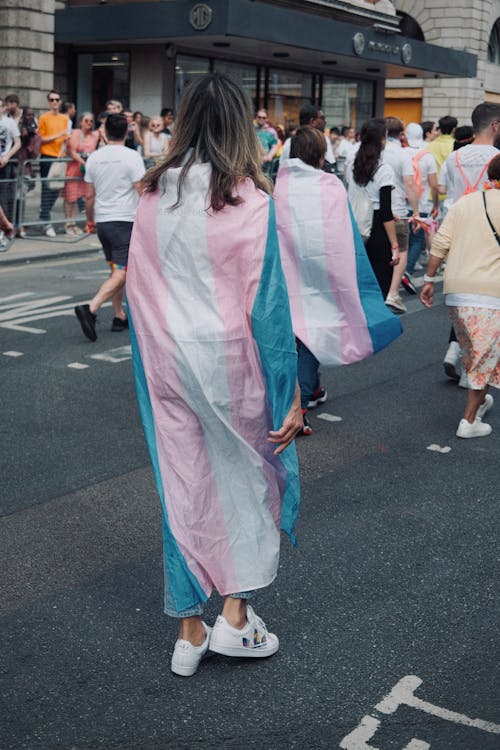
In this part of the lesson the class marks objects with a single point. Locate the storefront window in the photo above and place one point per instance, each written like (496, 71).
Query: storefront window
(245, 75)
(288, 90)
(347, 102)
(187, 70)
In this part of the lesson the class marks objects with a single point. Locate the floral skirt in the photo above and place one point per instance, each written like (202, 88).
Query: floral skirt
(478, 333)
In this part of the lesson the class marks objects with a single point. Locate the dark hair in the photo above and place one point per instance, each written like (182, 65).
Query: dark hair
(345, 129)
(307, 113)
(66, 106)
(463, 136)
(447, 124)
(116, 127)
(427, 126)
(483, 115)
(373, 134)
(166, 111)
(309, 145)
(394, 127)
(11, 98)
(494, 168)
(335, 130)
(53, 91)
(214, 124)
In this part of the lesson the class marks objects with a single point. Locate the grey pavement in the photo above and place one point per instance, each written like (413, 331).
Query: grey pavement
(396, 573)
(40, 248)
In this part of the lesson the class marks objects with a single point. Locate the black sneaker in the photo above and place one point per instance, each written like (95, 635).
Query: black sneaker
(306, 429)
(119, 324)
(408, 284)
(87, 321)
(319, 397)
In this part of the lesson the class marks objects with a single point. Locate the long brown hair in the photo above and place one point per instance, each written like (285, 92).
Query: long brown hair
(214, 124)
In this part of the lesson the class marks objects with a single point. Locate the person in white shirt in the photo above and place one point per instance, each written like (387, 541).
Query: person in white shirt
(425, 172)
(10, 143)
(463, 172)
(113, 175)
(347, 149)
(311, 115)
(405, 192)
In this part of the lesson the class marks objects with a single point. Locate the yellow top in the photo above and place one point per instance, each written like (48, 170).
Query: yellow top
(49, 124)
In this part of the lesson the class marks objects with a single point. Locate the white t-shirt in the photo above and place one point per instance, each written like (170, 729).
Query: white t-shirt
(383, 177)
(472, 159)
(329, 156)
(400, 160)
(112, 170)
(8, 131)
(427, 166)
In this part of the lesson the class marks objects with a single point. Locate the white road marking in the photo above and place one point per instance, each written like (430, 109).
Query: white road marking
(438, 449)
(13, 354)
(329, 417)
(15, 296)
(39, 305)
(120, 354)
(19, 313)
(78, 366)
(402, 694)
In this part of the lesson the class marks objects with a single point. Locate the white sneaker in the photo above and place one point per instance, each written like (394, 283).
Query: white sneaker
(451, 361)
(485, 406)
(418, 266)
(395, 302)
(186, 657)
(50, 231)
(254, 640)
(464, 381)
(476, 429)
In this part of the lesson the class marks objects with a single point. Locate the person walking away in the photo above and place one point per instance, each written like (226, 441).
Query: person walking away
(216, 371)
(405, 194)
(425, 172)
(338, 312)
(463, 172)
(469, 240)
(374, 179)
(53, 128)
(113, 177)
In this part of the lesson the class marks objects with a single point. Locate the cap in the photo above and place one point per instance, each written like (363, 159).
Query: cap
(414, 135)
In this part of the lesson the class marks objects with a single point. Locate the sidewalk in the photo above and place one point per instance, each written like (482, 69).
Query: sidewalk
(35, 249)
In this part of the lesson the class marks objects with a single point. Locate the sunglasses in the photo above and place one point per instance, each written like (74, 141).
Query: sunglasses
(54, 98)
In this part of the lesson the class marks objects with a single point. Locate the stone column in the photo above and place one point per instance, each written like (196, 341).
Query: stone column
(27, 32)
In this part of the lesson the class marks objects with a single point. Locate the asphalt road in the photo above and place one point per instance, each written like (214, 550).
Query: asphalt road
(396, 573)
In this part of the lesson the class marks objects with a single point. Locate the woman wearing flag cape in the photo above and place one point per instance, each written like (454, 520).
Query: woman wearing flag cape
(338, 311)
(215, 365)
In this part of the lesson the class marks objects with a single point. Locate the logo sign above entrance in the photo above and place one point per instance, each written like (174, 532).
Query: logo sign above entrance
(200, 16)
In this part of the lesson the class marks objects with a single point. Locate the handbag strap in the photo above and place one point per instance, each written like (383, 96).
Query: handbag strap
(489, 220)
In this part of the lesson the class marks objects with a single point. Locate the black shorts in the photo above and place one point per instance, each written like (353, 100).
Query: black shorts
(115, 239)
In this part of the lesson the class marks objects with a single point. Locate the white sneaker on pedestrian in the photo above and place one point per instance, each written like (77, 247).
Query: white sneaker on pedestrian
(451, 361)
(485, 406)
(476, 429)
(254, 640)
(395, 302)
(50, 231)
(186, 657)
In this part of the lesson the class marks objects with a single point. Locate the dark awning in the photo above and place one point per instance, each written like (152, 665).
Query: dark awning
(264, 32)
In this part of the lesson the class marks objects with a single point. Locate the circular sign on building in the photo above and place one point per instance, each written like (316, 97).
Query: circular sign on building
(200, 16)
(406, 53)
(358, 42)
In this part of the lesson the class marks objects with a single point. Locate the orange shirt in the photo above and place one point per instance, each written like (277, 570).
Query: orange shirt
(49, 124)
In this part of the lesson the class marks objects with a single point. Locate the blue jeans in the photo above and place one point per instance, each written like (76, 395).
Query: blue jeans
(197, 609)
(415, 246)
(307, 373)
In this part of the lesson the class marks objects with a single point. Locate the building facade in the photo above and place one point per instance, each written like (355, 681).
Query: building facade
(356, 58)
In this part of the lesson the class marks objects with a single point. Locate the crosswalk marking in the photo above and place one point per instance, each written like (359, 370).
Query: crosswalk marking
(13, 354)
(78, 366)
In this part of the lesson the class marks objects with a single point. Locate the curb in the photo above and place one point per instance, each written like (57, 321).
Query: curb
(5, 260)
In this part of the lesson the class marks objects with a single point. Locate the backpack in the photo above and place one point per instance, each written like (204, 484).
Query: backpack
(416, 169)
(468, 187)
(362, 208)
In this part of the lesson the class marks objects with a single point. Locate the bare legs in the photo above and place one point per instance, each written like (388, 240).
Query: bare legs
(234, 610)
(111, 289)
(397, 273)
(474, 401)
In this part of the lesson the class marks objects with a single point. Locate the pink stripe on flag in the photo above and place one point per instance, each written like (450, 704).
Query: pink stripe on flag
(193, 511)
(340, 259)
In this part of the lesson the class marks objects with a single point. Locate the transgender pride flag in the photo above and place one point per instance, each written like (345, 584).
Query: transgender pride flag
(215, 367)
(337, 307)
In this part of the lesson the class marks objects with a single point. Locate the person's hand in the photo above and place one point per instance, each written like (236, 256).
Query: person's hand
(395, 259)
(427, 294)
(7, 227)
(292, 424)
(3, 161)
